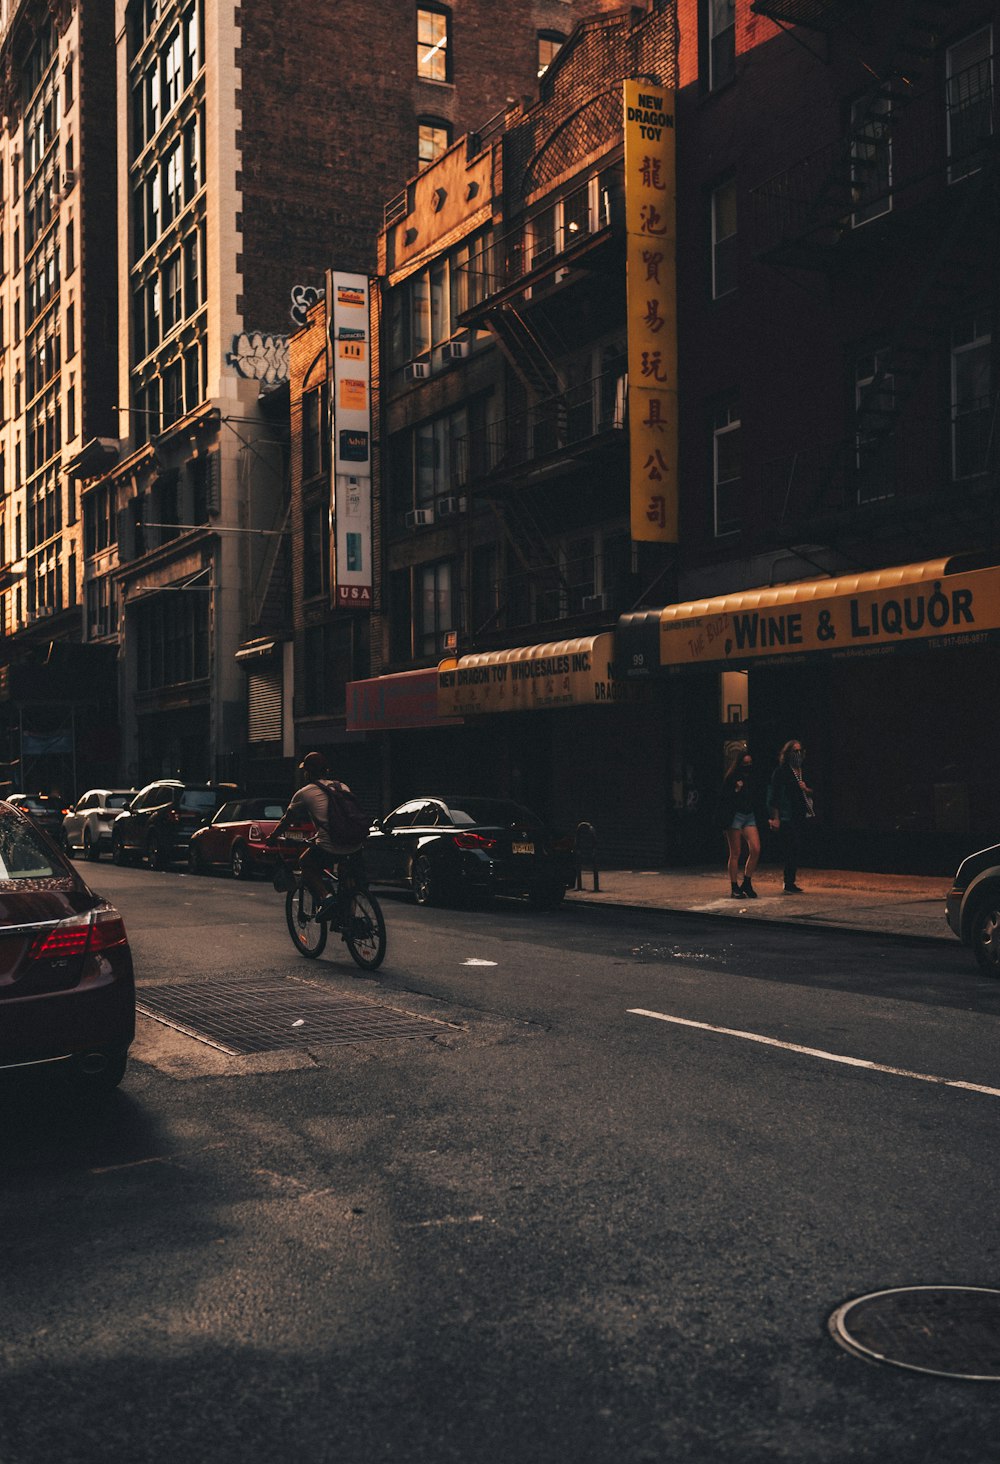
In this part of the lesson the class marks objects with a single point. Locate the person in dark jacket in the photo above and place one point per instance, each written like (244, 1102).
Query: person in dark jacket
(738, 817)
(789, 802)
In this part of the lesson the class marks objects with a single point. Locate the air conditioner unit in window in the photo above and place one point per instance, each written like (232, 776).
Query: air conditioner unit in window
(448, 507)
(69, 180)
(418, 371)
(419, 518)
(454, 350)
(590, 603)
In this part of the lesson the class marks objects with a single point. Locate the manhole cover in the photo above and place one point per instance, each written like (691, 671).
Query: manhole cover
(951, 1331)
(250, 1016)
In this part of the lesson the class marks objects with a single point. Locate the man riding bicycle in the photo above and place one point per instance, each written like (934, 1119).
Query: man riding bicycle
(311, 804)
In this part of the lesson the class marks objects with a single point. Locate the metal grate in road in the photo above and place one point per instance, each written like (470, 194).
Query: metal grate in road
(241, 1017)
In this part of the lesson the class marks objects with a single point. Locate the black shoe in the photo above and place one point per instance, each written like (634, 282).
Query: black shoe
(737, 893)
(793, 889)
(747, 891)
(328, 909)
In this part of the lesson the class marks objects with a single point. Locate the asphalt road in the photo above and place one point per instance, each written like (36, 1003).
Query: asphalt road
(549, 1229)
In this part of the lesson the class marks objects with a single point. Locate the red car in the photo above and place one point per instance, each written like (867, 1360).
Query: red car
(235, 838)
(67, 989)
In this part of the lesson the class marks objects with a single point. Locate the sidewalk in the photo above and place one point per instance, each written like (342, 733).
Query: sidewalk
(883, 904)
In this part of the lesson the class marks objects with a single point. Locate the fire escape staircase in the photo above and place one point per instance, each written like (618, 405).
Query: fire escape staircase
(828, 214)
(961, 254)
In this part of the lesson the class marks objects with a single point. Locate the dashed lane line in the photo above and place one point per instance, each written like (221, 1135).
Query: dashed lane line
(860, 1062)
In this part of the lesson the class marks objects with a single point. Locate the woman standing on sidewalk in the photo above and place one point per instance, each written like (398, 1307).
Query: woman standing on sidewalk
(789, 803)
(738, 818)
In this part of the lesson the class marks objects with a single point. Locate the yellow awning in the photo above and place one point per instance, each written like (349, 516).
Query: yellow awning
(556, 674)
(853, 614)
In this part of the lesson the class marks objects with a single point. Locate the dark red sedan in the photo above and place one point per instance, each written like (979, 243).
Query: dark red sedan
(67, 990)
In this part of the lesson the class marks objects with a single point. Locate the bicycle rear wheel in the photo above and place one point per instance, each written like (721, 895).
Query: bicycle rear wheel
(365, 933)
(307, 932)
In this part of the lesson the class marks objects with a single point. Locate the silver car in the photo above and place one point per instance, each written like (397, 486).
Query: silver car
(87, 827)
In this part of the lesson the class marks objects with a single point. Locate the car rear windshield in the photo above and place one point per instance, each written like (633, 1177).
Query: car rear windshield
(118, 800)
(23, 855)
(494, 812)
(41, 802)
(260, 808)
(199, 800)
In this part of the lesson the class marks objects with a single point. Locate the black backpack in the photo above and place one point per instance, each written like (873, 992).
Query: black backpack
(346, 822)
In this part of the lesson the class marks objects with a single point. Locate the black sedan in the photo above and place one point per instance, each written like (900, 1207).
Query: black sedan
(67, 992)
(447, 848)
(972, 907)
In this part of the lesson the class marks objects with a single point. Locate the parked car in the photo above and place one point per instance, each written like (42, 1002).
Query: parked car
(450, 847)
(235, 837)
(972, 907)
(158, 823)
(44, 810)
(67, 990)
(87, 826)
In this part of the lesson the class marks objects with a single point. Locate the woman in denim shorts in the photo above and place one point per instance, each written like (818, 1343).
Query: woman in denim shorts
(738, 817)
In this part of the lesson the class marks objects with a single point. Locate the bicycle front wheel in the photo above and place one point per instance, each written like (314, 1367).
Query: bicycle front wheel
(365, 933)
(306, 929)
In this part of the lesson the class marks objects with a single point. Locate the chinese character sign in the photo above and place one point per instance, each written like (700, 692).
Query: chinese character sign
(350, 423)
(650, 224)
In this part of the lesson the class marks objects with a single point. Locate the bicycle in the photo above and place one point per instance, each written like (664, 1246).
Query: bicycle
(364, 928)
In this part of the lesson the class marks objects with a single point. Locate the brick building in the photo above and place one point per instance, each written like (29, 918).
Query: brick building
(837, 228)
(255, 147)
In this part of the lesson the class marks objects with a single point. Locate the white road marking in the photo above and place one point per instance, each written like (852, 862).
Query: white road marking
(474, 962)
(861, 1062)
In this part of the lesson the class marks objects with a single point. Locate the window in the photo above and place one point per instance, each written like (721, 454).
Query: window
(68, 85)
(871, 158)
(721, 42)
(726, 465)
(433, 138)
(173, 190)
(550, 43)
(312, 447)
(172, 72)
(433, 49)
(315, 552)
(440, 456)
(172, 302)
(970, 395)
(970, 101)
(192, 45)
(724, 239)
(874, 407)
(435, 607)
(70, 329)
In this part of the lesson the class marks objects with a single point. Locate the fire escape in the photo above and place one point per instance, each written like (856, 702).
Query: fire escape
(520, 289)
(916, 175)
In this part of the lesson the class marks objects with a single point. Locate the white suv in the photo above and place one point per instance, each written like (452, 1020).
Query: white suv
(87, 827)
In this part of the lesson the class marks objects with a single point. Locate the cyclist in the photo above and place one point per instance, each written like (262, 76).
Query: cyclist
(311, 805)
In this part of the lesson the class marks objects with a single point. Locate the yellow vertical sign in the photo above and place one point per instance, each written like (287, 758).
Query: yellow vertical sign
(651, 246)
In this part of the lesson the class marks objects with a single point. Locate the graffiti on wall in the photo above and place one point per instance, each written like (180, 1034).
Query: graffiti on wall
(304, 297)
(260, 357)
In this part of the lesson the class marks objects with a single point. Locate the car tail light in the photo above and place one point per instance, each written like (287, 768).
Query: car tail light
(255, 832)
(173, 816)
(80, 935)
(474, 841)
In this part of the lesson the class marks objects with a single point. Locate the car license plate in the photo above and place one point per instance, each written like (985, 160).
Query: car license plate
(522, 848)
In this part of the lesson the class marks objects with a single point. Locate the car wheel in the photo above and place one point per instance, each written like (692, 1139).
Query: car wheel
(118, 855)
(984, 932)
(240, 862)
(154, 852)
(99, 1072)
(90, 849)
(546, 897)
(426, 890)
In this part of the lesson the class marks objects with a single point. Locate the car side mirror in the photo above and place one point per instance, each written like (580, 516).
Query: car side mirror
(378, 825)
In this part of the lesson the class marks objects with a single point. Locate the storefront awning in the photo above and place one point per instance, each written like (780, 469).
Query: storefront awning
(263, 649)
(570, 673)
(852, 615)
(405, 699)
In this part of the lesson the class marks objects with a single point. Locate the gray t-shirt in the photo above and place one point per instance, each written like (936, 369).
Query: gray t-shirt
(313, 802)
